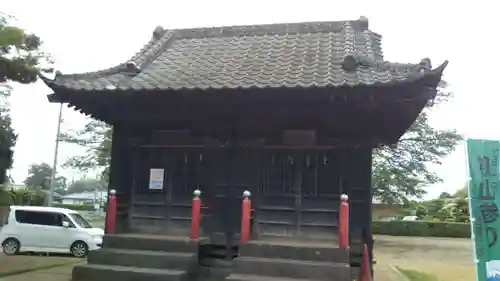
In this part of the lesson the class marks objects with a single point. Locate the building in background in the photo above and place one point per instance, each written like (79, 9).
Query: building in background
(16, 186)
(88, 197)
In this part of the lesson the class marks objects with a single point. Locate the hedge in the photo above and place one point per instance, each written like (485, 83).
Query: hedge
(76, 207)
(22, 197)
(422, 228)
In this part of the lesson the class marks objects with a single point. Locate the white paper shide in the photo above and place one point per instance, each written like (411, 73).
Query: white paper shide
(156, 177)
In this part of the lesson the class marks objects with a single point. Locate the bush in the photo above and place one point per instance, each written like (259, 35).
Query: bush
(22, 197)
(6, 198)
(76, 207)
(422, 228)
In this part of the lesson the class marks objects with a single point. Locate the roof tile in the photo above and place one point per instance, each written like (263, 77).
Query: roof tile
(328, 54)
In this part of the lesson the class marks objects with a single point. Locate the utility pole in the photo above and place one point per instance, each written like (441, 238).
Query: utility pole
(56, 153)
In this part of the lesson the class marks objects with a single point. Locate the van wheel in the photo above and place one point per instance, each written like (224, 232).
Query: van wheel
(11, 246)
(79, 249)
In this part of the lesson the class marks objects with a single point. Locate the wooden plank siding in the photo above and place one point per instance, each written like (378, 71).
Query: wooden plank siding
(295, 192)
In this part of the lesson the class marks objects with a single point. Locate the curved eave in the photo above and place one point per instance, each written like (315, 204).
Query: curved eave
(428, 78)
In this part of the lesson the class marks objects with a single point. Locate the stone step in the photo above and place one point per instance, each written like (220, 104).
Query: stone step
(251, 277)
(150, 243)
(94, 272)
(294, 252)
(143, 259)
(273, 267)
(355, 272)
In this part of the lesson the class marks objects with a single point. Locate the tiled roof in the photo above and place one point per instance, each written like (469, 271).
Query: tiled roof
(324, 54)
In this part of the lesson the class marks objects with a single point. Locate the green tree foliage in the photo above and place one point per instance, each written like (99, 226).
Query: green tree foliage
(22, 197)
(84, 185)
(20, 61)
(444, 209)
(462, 192)
(421, 212)
(39, 177)
(7, 136)
(445, 195)
(95, 137)
(401, 172)
(462, 210)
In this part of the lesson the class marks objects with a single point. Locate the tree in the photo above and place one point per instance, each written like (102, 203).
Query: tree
(462, 210)
(39, 177)
(401, 172)
(445, 195)
(20, 61)
(96, 138)
(84, 185)
(448, 209)
(421, 211)
(462, 192)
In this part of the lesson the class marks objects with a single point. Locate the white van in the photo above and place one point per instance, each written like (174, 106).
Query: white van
(48, 229)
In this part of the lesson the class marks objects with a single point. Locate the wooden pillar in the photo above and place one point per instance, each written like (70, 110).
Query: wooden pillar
(119, 176)
(298, 173)
(233, 203)
(257, 154)
(366, 168)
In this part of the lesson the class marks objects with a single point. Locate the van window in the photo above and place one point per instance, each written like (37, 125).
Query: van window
(65, 218)
(83, 223)
(38, 218)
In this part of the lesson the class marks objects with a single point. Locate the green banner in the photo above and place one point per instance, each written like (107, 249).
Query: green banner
(483, 190)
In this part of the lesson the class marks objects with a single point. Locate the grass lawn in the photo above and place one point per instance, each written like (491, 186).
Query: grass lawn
(24, 263)
(442, 271)
(414, 275)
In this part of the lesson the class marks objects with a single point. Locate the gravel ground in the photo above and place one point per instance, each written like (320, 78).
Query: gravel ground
(449, 259)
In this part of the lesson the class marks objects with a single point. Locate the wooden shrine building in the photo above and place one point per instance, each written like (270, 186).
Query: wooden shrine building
(290, 112)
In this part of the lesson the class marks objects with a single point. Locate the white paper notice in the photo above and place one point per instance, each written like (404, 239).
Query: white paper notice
(156, 178)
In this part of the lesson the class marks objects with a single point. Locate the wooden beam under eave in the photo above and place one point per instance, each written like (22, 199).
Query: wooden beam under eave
(90, 107)
(82, 109)
(54, 98)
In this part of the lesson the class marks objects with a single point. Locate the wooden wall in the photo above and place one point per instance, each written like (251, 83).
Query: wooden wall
(294, 192)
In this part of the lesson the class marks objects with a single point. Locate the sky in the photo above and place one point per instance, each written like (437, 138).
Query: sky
(90, 35)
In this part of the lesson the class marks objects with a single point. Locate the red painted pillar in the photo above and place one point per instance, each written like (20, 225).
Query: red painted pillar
(344, 222)
(365, 273)
(111, 212)
(195, 214)
(246, 206)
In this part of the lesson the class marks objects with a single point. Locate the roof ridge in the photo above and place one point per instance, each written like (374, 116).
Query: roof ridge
(360, 24)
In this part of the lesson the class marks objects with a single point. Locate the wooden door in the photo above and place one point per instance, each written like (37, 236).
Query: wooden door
(185, 175)
(300, 194)
(228, 171)
(277, 202)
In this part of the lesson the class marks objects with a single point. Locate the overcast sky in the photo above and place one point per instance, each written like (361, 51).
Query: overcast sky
(91, 35)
